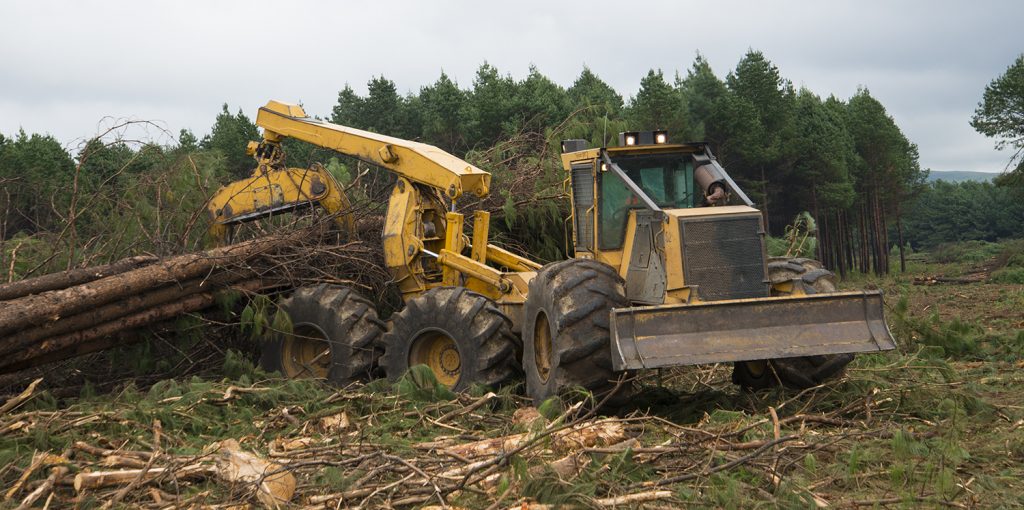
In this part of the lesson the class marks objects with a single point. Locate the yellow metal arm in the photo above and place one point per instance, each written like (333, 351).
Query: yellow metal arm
(418, 162)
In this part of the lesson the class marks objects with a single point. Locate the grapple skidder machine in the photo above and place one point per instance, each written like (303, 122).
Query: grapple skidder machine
(666, 272)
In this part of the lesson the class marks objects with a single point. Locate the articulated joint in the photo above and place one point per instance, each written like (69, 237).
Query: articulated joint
(471, 268)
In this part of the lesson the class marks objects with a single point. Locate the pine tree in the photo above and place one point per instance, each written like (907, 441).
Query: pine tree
(230, 135)
(444, 114)
(1000, 115)
(348, 111)
(657, 105)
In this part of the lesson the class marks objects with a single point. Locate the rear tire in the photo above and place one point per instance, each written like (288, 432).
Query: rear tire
(334, 336)
(566, 335)
(459, 334)
(801, 372)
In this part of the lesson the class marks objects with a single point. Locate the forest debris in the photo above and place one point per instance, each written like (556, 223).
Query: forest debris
(334, 423)
(234, 391)
(283, 444)
(21, 397)
(39, 460)
(115, 461)
(104, 452)
(525, 416)
(488, 447)
(632, 499)
(601, 433)
(935, 280)
(275, 484)
(566, 468)
(56, 474)
(470, 408)
(99, 479)
(595, 433)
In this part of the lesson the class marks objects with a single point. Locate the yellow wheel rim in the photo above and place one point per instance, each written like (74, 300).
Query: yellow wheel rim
(542, 347)
(439, 352)
(757, 368)
(306, 353)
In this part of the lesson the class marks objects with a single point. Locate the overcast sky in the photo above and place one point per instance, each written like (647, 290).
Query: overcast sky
(65, 67)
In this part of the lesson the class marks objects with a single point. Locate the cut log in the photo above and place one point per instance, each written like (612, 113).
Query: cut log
(78, 342)
(99, 479)
(65, 279)
(117, 309)
(40, 309)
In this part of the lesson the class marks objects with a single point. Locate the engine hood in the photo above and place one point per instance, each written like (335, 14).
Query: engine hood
(725, 210)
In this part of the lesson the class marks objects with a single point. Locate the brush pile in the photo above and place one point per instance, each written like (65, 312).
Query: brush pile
(64, 315)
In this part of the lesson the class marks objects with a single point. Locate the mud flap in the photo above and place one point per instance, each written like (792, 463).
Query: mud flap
(748, 329)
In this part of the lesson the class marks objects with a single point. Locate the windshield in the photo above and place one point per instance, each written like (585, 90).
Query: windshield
(666, 178)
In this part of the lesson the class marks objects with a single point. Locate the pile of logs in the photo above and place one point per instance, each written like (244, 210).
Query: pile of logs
(63, 315)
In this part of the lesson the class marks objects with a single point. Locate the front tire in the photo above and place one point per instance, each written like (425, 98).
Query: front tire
(566, 335)
(805, 371)
(334, 336)
(460, 335)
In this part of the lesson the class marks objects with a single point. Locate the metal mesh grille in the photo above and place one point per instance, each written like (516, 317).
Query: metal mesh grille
(724, 256)
(583, 197)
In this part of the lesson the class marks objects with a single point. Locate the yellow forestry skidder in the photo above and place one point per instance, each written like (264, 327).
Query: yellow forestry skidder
(666, 272)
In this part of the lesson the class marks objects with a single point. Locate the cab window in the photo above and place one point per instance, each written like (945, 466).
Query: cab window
(615, 202)
(667, 179)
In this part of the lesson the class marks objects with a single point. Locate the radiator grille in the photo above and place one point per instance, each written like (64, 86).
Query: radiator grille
(724, 257)
(583, 197)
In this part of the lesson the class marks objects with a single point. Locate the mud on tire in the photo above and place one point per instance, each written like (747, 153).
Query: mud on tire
(459, 334)
(805, 371)
(566, 336)
(335, 335)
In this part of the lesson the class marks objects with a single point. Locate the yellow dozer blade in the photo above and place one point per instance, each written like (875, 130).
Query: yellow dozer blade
(748, 329)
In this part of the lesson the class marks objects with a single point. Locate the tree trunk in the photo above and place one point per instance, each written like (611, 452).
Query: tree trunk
(764, 208)
(899, 235)
(65, 279)
(865, 251)
(66, 344)
(818, 235)
(41, 309)
(120, 308)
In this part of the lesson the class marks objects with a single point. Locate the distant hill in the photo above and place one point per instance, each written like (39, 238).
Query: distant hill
(959, 176)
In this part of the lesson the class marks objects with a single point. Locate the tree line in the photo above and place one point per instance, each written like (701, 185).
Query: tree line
(844, 160)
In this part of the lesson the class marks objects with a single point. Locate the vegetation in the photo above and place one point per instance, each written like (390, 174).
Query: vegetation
(965, 211)
(1000, 115)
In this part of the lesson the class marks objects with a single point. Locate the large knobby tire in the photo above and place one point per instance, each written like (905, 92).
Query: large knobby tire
(335, 335)
(566, 336)
(459, 334)
(805, 371)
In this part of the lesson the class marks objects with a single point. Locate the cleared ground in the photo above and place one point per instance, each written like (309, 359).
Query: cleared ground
(938, 424)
